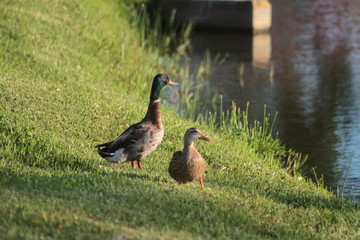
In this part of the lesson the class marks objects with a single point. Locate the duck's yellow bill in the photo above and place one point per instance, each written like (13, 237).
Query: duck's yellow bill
(173, 83)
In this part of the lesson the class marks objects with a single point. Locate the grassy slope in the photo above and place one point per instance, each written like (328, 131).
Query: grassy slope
(60, 65)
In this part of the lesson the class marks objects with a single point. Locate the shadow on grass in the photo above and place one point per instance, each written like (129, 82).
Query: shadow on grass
(134, 201)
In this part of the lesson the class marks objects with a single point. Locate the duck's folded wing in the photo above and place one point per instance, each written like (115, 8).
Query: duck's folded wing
(176, 159)
(175, 165)
(130, 136)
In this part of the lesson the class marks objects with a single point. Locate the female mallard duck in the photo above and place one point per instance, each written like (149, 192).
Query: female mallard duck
(188, 165)
(140, 139)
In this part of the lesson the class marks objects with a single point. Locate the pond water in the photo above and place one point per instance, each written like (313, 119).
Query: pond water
(307, 68)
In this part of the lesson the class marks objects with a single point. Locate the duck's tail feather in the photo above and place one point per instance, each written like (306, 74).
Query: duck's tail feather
(103, 150)
(103, 145)
(104, 154)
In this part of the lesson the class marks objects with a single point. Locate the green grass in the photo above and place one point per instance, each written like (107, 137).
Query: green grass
(76, 73)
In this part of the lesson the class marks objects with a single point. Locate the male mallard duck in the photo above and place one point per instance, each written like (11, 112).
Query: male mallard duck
(188, 165)
(140, 139)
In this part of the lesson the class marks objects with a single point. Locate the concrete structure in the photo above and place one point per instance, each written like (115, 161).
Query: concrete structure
(261, 19)
(226, 14)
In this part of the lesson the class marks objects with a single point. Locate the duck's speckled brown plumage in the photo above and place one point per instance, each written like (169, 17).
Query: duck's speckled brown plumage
(188, 165)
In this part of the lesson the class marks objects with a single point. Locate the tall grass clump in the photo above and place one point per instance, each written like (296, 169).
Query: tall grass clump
(157, 36)
(258, 134)
(340, 192)
(195, 96)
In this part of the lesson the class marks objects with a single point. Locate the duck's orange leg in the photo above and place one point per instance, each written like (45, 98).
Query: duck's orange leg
(202, 183)
(133, 164)
(139, 165)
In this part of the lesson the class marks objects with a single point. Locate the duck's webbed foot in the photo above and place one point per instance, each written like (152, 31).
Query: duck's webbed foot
(133, 164)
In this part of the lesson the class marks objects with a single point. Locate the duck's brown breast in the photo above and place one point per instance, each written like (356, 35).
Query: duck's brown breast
(187, 166)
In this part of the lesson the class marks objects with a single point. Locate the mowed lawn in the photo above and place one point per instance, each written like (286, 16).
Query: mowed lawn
(74, 74)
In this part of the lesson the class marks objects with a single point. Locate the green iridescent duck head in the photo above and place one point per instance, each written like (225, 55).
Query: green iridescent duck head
(159, 82)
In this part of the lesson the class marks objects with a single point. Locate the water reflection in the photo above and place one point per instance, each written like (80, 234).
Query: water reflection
(306, 70)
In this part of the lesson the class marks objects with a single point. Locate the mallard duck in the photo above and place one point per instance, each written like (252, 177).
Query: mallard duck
(142, 138)
(188, 165)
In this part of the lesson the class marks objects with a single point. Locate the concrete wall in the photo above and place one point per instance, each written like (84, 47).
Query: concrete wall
(226, 14)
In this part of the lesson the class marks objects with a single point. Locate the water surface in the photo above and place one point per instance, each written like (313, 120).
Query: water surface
(307, 68)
